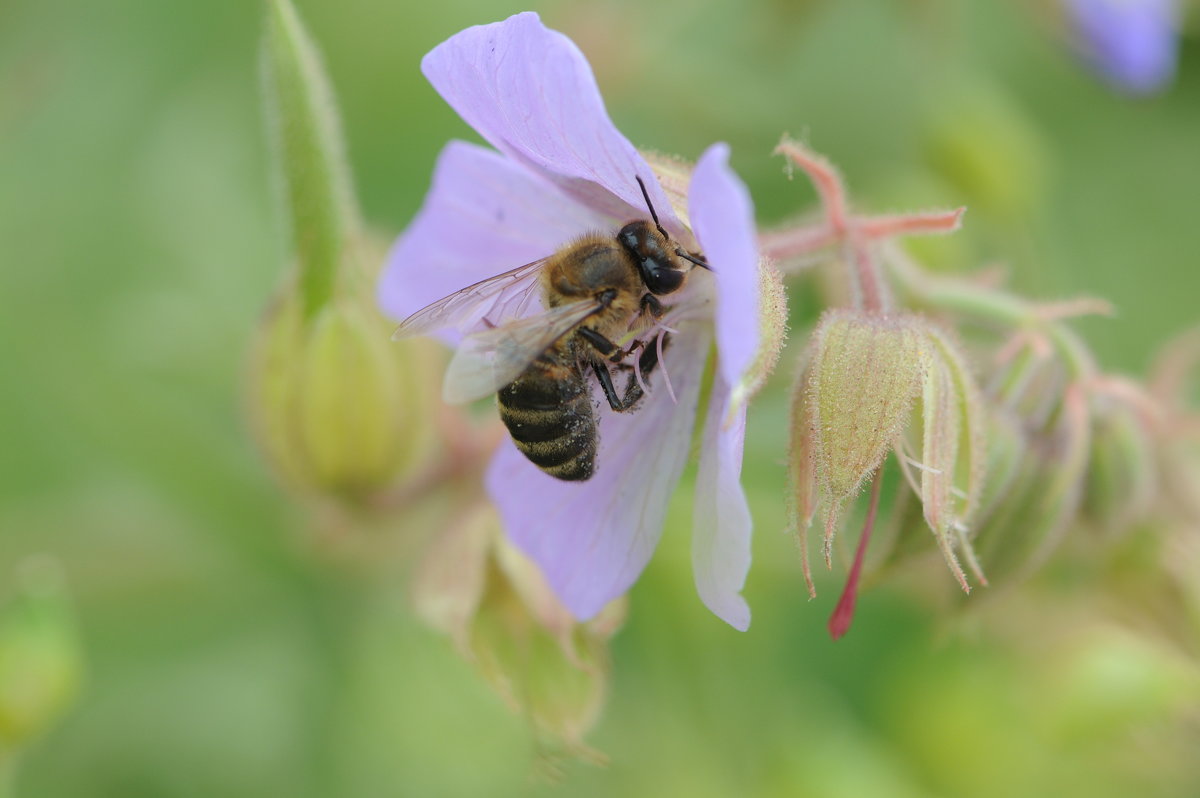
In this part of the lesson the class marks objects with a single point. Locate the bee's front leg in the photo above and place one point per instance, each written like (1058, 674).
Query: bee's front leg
(651, 305)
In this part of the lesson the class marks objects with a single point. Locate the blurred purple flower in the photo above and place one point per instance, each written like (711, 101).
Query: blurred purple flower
(1132, 43)
(563, 169)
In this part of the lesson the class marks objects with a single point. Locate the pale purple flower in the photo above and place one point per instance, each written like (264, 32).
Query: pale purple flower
(1134, 44)
(563, 169)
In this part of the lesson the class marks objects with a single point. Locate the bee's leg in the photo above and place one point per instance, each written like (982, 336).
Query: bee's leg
(606, 347)
(636, 388)
(651, 305)
(598, 341)
(610, 391)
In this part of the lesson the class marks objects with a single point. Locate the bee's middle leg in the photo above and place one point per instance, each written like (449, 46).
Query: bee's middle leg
(647, 363)
(614, 353)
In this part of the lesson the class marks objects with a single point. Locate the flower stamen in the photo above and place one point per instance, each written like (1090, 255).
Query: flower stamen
(663, 365)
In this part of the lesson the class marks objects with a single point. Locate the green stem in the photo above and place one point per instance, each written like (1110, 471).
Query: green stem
(999, 307)
(309, 155)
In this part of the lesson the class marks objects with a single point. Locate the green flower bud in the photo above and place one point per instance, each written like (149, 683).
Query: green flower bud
(949, 434)
(493, 602)
(1028, 522)
(336, 404)
(1006, 453)
(802, 474)
(864, 373)
(41, 665)
(1122, 475)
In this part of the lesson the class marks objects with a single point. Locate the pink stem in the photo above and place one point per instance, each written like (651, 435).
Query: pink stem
(872, 293)
(824, 177)
(877, 227)
(796, 242)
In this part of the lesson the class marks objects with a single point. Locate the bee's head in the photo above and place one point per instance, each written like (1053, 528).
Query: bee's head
(659, 261)
(653, 252)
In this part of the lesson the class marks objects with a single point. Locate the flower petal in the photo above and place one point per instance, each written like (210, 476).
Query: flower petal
(592, 539)
(722, 525)
(483, 215)
(530, 92)
(722, 217)
(1133, 43)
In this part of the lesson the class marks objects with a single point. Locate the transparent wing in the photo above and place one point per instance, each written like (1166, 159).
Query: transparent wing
(498, 298)
(486, 361)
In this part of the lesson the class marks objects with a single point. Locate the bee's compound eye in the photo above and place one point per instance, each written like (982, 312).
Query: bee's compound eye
(629, 236)
(663, 279)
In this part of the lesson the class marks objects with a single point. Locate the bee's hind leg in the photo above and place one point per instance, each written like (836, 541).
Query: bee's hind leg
(635, 388)
(616, 402)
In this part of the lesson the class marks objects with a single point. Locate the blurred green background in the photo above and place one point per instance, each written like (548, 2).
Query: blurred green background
(228, 654)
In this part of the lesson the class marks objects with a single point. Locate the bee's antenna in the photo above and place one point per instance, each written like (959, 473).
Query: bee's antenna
(693, 259)
(653, 215)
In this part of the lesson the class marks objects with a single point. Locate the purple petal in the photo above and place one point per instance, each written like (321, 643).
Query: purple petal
(721, 534)
(483, 215)
(530, 92)
(1133, 43)
(592, 539)
(722, 217)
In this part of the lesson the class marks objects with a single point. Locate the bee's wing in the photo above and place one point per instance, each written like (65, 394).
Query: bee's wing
(486, 361)
(506, 295)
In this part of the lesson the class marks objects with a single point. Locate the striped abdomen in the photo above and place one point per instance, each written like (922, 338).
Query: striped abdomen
(548, 412)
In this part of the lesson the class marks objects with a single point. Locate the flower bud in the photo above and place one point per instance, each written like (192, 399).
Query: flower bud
(949, 434)
(1006, 452)
(1122, 474)
(337, 406)
(1025, 526)
(494, 603)
(802, 475)
(41, 665)
(863, 376)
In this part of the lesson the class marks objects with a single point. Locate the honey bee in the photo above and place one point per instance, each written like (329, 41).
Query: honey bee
(594, 292)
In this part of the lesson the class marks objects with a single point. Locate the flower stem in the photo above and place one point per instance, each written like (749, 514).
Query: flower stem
(843, 613)
(999, 307)
(796, 242)
(870, 293)
(309, 154)
(826, 180)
